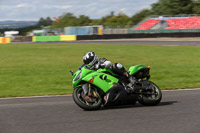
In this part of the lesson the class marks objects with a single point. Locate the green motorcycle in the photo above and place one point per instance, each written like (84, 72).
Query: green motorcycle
(101, 88)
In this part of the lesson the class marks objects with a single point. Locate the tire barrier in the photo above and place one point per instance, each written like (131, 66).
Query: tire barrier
(5, 40)
(22, 39)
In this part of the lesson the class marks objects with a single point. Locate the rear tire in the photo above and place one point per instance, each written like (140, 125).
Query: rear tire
(79, 100)
(151, 100)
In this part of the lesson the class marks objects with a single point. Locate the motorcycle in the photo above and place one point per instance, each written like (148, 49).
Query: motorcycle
(102, 88)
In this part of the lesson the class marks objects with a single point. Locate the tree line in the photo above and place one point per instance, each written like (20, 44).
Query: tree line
(121, 20)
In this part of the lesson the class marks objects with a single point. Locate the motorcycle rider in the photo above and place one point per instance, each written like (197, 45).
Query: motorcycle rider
(91, 61)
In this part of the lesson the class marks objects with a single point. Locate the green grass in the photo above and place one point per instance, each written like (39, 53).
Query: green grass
(43, 69)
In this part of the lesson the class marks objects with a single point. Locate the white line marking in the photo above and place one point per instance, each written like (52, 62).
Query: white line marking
(35, 97)
(195, 89)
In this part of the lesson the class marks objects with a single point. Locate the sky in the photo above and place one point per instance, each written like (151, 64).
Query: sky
(35, 9)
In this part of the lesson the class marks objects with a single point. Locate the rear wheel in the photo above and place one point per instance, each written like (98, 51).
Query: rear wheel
(92, 102)
(153, 98)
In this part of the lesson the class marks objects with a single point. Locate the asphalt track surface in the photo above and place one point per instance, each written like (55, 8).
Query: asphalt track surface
(165, 43)
(145, 41)
(178, 112)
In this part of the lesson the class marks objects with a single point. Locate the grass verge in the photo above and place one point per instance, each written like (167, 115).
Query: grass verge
(43, 69)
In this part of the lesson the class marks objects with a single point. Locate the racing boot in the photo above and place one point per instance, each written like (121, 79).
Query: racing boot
(130, 86)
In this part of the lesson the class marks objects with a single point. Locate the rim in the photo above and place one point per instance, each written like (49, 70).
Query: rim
(156, 92)
(95, 101)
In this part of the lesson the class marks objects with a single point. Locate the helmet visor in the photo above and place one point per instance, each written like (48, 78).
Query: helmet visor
(91, 64)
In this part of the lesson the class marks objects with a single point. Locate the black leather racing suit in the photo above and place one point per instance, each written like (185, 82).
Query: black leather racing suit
(116, 67)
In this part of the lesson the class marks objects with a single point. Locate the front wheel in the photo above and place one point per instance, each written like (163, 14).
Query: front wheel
(92, 102)
(153, 98)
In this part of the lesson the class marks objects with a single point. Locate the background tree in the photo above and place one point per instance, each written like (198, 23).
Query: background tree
(84, 20)
(68, 19)
(196, 7)
(49, 21)
(140, 16)
(103, 20)
(172, 7)
(41, 22)
(45, 22)
(119, 21)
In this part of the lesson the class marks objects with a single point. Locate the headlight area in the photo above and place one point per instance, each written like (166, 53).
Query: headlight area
(78, 76)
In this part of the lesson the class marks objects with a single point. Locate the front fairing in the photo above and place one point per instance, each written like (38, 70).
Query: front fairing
(101, 80)
(79, 75)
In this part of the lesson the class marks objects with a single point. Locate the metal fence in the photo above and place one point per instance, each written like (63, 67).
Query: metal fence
(115, 31)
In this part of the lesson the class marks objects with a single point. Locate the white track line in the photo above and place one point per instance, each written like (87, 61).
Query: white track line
(195, 89)
(36, 97)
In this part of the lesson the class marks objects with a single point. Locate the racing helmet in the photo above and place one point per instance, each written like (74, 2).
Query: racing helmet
(90, 59)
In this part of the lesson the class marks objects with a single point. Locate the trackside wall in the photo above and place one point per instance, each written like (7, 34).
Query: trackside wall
(5, 40)
(54, 38)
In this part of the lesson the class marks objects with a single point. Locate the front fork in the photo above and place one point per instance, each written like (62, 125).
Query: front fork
(89, 92)
(87, 89)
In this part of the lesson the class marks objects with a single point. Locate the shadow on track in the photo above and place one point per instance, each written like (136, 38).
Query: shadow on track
(167, 103)
(138, 105)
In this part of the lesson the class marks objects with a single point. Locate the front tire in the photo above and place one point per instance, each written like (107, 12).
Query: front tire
(151, 100)
(82, 102)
